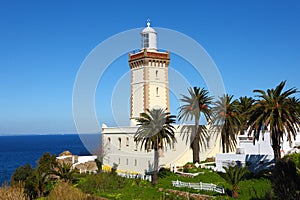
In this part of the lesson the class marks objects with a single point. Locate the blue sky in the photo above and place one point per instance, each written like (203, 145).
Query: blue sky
(255, 45)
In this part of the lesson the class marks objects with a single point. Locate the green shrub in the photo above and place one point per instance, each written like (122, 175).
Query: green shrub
(295, 157)
(102, 182)
(163, 172)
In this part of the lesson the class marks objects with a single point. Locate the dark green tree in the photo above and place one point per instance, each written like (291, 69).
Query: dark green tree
(21, 174)
(38, 184)
(285, 180)
(278, 112)
(35, 185)
(196, 103)
(47, 163)
(154, 132)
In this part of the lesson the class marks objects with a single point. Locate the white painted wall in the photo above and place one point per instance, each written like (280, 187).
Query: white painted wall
(137, 75)
(261, 147)
(137, 99)
(137, 92)
(137, 160)
(84, 159)
(158, 86)
(158, 100)
(161, 76)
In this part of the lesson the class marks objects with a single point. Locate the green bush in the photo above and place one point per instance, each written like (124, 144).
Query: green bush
(102, 182)
(164, 173)
(295, 157)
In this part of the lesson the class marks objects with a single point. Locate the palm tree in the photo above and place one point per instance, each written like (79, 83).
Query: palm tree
(64, 171)
(244, 105)
(278, 112)
(197, 103)
(36, 184)
(234, 175)
(226, 121)
(154, 132)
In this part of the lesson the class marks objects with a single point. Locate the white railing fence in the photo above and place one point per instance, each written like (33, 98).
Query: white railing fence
(140, 176)
(200, 186)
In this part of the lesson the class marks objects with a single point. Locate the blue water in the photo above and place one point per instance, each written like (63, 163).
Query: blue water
(19, 150)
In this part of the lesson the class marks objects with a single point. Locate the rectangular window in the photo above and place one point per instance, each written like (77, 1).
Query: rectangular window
(127, 142)
(145, 40)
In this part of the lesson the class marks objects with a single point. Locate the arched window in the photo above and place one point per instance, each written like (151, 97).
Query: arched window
(126, 161)
(157, 91)
(136, 146)
(135, 162)
(119, 160)
(156, 73)
(127, 142)
(119, 139)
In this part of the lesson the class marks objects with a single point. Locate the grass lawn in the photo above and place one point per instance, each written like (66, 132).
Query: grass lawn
(139, 189)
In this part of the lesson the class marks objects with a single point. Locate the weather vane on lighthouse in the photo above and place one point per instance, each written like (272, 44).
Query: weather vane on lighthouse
(148, 22)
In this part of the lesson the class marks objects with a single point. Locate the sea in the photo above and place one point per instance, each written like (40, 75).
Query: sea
(16, 151)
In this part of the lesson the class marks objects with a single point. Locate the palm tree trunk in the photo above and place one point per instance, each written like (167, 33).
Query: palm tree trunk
(195, 143)
(155, 171)
(276, 147)
(276, 150)
(223, 138)
(235, 192)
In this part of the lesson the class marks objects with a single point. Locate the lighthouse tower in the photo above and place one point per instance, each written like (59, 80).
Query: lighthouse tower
(149, 76)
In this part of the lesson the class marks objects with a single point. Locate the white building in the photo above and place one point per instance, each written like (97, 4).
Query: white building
(259, 154)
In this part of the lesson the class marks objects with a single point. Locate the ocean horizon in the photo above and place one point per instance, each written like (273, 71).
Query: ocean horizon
(18, 150)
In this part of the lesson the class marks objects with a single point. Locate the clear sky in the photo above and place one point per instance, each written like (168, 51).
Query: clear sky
(255, 45)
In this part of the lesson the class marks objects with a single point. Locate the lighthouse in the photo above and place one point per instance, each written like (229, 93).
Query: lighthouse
(149, 87)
